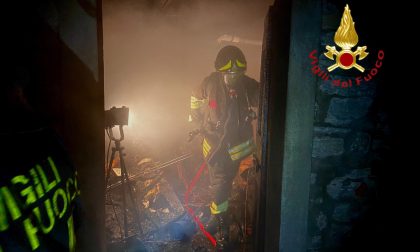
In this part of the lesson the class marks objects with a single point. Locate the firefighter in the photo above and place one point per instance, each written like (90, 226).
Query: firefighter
(222, 108)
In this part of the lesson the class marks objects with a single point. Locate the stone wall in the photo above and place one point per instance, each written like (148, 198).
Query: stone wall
(351, 134)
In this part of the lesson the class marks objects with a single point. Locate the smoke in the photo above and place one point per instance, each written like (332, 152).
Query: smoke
(155, 52)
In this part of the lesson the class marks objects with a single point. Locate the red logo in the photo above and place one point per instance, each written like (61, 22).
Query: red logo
(357, 81)
(345, 58)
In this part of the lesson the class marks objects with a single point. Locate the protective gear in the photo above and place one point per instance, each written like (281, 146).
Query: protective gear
(230, 78)
(217, 209)
(241, 150)
(231, 62)
(213, 224)
(50, 215)
(230, 58)
(219, 226)
(222, 113)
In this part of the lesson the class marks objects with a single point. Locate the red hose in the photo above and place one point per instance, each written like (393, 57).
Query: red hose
(190, 211)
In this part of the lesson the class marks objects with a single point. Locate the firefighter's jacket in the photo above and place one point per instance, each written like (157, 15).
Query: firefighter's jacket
(223, 114)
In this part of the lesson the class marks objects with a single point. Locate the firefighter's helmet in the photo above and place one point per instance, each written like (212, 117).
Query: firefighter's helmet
(230, 59)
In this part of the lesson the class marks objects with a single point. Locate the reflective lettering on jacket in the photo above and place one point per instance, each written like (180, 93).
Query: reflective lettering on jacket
(37, 201)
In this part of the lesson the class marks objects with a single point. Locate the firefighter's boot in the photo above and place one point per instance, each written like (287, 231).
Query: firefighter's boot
(216, 222)
(218, 215)
(218, 226)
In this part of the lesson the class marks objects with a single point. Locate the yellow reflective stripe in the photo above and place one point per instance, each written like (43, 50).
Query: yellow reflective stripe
(206, 148)
(226, 67)
(240, 147)
(240, 64)
(216, 209)
(242, 154)
(206, 145)
(241, 150)
(197, 103)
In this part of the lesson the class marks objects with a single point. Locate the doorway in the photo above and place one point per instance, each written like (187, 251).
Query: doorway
(155, 53)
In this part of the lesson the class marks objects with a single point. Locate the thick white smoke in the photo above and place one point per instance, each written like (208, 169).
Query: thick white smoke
(154, 56)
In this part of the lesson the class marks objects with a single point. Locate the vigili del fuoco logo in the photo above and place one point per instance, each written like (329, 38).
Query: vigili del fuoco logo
(346, 38)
